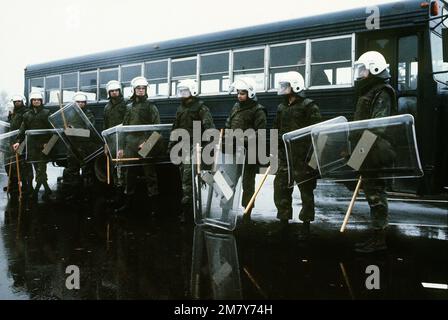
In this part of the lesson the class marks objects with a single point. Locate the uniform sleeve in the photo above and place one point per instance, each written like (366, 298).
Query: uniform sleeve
(382, 105)
(21, 135)
(155, 115)
(106, 119)
(91, 118)
(314, 114)
(127, 115)
(276, 123)
(227, 124)
(207, 119)
(260, 121)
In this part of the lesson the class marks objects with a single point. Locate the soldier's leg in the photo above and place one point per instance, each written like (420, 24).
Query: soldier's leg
(187, 188)
(131, 180)
(27, 178)
(282, 194)
(117, 176)
(375, 191)
(250, 172)
(88, 172)
(12, 179)
(38, 184)
(129, 191)
(118, 183)
(71, 172)
(151, 180)
(307, 195)
(42, 178)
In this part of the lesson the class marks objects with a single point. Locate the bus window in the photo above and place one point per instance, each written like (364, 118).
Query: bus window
(88, 84)
(182, 69)
(249, 63)
(214, 73)
(105, 77)
(157, 75)
(127, 74)
(69, 86)
(407, 63)
(438, 65)
(284, 58)
(37, 84)
(407, 104)
(52, 88)
(385, 47)
(331, 62)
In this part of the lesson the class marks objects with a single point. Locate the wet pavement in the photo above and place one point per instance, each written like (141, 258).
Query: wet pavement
(141, 256)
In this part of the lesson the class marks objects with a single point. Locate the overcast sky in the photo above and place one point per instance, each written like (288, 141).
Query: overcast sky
(46, 30)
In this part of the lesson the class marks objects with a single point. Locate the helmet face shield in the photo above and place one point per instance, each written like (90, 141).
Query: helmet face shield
(360, 71)
(284, 88)
(183, 92)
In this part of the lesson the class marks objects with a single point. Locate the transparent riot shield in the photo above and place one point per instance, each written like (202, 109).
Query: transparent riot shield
(137, 145)
(379, 148)
(45, 145)
(217, 192)
(215, 267)
(4, 127)
(7, 154)
(79, 135)
(300, 156)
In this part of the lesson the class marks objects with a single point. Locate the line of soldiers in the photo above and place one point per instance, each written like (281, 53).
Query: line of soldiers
(376, 99)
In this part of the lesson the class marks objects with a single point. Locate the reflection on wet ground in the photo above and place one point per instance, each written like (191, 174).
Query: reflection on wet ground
(138, 256)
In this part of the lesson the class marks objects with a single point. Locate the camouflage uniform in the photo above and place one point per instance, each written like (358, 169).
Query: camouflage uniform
(248, 115)
(140, 112)
(71, 173)
(35, 119)
(26, 170)
(376, 101)
(301, 113)
(194, 110)
(114, 113)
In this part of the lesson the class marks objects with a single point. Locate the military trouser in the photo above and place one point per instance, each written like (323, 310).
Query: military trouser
(72, 174)
(375, 191)
(116, 172)
(26, 176)
(283, 194)
(250, 172)
(41, 172)
(187, 182)
(150, 176)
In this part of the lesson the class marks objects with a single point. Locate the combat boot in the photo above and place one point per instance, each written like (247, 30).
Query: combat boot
(370, 237)
(307, 213)
(376, 243)
(48, 196)
(127, 204)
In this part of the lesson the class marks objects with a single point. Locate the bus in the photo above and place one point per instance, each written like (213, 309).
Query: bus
(322, 48)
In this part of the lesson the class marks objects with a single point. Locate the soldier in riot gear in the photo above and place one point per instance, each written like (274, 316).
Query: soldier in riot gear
(247, 113)
(294, 113)
(376, 99)
(72, 176)
(34, 119)
(115, 109)
(191, 109)
(114, 113)
(140, 111)
(15, 120)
